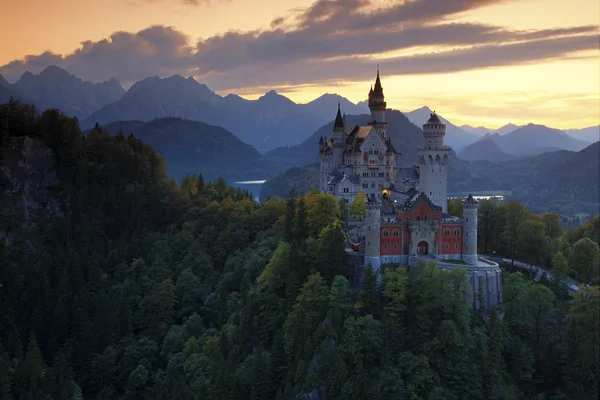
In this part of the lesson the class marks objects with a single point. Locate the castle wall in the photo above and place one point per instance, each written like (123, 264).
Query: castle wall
(450, 237)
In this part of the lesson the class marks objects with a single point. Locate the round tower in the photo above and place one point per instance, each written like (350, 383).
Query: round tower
(372, 235)
(469, 249)
(325, 164)
(433, 160)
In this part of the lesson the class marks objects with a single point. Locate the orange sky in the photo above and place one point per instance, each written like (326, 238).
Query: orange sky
(561, 93)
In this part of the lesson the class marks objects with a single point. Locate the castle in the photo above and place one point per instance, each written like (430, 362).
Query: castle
(406, 209)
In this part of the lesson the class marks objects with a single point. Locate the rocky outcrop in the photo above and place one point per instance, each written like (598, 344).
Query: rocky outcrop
(29, 183)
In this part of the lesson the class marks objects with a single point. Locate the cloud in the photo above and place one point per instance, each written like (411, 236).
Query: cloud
(331, 41)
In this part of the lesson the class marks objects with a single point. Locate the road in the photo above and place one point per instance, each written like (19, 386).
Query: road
(540, 271)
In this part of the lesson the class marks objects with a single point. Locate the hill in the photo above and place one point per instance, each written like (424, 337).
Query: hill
(406, 138)
(266, 123)
(456, 137)
(533, 139)
(484, 149)
(590, 134)
(323, 106)
(192, 147)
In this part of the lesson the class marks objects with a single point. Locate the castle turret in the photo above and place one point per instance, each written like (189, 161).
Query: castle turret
(338, 140)
(390, 162)
(470, 230)
(433, 159)
(372, 234)
(377, 106)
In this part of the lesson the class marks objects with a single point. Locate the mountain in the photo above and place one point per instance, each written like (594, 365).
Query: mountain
(508, 128)
(534, 139)
(406, 138)
(591, 134)
(326, 105)
(192, 147)
(477, 131)
(456, 137)
(266, 123)
(56, 88)
(484, 149)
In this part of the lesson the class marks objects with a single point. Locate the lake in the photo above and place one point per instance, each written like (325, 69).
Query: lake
(252, 186)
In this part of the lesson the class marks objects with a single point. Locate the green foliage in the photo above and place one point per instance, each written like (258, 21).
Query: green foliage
(359, 205)
(132, 287)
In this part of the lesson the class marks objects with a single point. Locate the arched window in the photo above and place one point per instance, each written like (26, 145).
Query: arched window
(396, 233)
(418, 218)
(385, 246)
(424, 217)
(386, 233)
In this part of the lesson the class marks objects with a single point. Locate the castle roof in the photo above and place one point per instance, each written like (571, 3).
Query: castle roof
(378, 90)
(339, 121)
(470, 200)
(433, 119)
(390, 146)
(408, 174)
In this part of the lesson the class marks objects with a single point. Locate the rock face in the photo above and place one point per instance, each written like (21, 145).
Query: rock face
(28, 180)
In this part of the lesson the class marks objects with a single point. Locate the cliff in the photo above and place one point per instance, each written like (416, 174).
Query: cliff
(29, 183)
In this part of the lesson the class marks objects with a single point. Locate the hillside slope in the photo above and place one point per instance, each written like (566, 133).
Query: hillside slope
(485, 149)
(194, 147)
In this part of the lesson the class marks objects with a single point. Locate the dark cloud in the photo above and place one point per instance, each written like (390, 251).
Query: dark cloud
(331, 40)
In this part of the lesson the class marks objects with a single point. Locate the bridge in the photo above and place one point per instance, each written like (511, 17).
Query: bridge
(540, 271)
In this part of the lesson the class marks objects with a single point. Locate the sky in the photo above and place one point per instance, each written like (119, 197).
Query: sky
(476, 62)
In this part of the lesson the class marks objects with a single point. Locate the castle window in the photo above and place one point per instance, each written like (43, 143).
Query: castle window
(386, 233)
(346, 190)
(425, 218)
(456, 232)
(365, 185)
(385, 246)
(396, 233)
(467, 219)
(430, 193)
(418, 218)
(456, 245)
(447, 232)
(395, 247)
(446, 245)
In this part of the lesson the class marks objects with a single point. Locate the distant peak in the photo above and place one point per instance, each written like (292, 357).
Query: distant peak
(271, 93)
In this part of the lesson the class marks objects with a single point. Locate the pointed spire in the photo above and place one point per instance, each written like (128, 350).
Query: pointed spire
(378, 91)
(339, 122)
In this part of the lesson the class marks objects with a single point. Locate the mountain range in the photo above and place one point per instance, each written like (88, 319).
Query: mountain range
(268, 123)
(528, 140)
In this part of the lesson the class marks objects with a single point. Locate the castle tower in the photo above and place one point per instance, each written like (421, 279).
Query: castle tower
(470, 230)
(433, 159)
(372, 234)
(390, 161)
(338, 140)
(325, 165)
(377, 106)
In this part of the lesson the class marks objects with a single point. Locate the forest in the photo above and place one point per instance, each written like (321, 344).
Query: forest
(117, 282)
